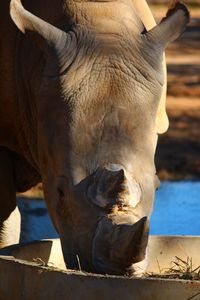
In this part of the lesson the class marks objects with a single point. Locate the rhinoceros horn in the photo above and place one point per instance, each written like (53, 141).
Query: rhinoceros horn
(116, 245)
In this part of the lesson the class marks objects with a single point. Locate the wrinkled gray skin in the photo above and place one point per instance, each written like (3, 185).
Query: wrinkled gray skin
(78, 111)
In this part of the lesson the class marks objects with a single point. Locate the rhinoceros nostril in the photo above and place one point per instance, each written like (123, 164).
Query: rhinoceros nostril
(61, 205)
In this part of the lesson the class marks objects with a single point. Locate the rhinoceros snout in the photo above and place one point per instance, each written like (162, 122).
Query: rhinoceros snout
(101, 224)
(117, 245)
(121, 237)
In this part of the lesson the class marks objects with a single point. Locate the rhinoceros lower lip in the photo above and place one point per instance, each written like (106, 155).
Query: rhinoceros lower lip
(117, 246)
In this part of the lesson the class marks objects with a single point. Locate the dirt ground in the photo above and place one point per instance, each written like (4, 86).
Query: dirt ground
(178, 151)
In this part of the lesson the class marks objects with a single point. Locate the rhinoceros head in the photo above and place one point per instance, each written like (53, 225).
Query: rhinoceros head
(97, 124)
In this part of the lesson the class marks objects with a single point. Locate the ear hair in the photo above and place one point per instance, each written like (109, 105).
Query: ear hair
(175, 6)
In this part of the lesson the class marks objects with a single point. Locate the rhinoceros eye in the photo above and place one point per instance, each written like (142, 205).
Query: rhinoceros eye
(60, 193)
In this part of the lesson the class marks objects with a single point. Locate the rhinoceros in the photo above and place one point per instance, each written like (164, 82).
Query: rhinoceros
(82, 101)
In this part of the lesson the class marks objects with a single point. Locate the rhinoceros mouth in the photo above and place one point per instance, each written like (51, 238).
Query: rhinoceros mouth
(117, 246)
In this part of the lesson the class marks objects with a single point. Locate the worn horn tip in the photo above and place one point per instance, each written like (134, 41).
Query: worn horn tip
(121, 176)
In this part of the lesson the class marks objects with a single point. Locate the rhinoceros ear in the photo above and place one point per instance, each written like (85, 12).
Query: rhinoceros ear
(45, 35)
(170, 27)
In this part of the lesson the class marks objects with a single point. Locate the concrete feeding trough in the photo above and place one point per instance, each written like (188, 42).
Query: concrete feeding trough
(37, 271)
